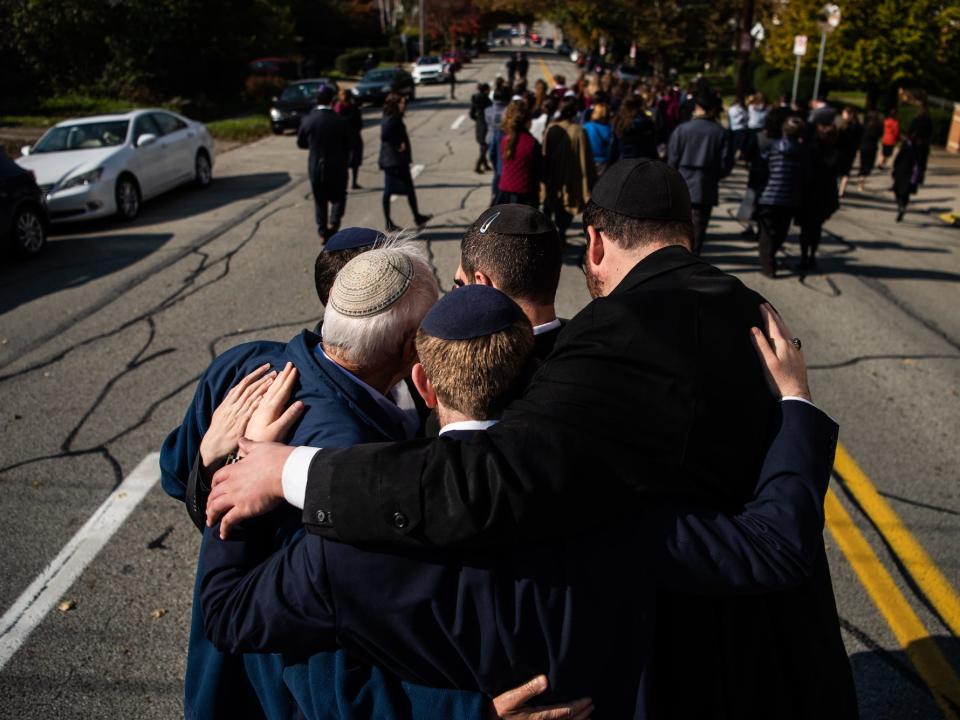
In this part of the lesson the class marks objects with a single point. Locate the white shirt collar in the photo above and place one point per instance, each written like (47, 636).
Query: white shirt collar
(546, 327)
(323, 107)
(468, 425)
(400, 402)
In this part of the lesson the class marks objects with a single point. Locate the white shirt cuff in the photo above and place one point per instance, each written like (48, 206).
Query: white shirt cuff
(295, 472)
(783, 399)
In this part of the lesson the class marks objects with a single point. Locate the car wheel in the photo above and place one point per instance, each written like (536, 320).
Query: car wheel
(203, 174)
(413, 94)
(276, 129)
(128, 197)
(29, 234)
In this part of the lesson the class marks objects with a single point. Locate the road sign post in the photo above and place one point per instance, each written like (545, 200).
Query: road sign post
(799, 49)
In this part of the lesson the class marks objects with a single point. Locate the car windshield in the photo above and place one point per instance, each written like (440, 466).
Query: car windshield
(432, 60)
(83, 136)
(379, 76)
(300, 91)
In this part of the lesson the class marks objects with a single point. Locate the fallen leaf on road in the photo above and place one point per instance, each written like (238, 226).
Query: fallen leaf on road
(36, 483)
(158, 613)
(67, 606)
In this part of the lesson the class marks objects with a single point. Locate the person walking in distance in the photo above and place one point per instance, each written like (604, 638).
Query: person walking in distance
(520, 157)
(329, 139)
(872, 130)
(493, 116)
(784, 166)
(891, 135)
(600, 134)
(568, 169)
(849, 137)
(452, 78)
(347, 108)
(906, 174)
(920, 133)
(820, 196)
(702, 150)
(395, 158)
(479, 103)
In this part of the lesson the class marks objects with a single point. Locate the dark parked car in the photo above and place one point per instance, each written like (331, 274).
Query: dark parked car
(376, 84)
(23, 217)
(297, 99)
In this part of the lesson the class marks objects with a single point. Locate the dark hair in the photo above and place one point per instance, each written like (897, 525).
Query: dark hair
(630, 233)
(892, 112)
(502, 94)
(328, 264)
(792, 126)
(560, 79)
(569, 108)
(325, 95)
(549, 106)
(391, 105)
(524, 267)
(483, 87)
(629, 109)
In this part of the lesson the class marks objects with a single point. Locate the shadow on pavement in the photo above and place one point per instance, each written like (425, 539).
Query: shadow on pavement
(185, 201)
(71, 263)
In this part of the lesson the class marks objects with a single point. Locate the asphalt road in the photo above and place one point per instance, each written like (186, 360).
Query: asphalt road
(103, 338)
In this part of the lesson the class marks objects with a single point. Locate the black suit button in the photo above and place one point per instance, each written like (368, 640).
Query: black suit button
(399, 520)
(321, 516)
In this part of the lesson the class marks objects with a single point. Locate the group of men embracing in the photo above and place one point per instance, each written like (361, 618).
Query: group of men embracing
(465, 507)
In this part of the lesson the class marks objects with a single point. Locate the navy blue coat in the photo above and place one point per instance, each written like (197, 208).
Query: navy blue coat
(339, 413)
(580, 610)
(702, 150)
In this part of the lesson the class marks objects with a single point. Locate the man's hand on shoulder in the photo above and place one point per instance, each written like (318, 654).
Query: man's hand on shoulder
(248, 488)
(783, 363)
(513, 704)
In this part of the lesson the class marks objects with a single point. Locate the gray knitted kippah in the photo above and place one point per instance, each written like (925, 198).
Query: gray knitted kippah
(371, 283)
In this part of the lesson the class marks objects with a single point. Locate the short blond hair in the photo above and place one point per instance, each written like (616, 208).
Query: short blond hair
(477, 377)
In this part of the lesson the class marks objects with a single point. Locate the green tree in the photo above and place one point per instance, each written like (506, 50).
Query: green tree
(879, 45)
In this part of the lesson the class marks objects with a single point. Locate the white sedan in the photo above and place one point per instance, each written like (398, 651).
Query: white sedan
(108, 164)
(428, 68)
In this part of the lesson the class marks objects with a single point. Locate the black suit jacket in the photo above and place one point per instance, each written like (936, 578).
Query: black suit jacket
(329, 139)
(702, 150)
(580, 609)
(654, 390)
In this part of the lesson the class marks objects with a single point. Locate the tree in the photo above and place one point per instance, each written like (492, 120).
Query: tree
(879, 45)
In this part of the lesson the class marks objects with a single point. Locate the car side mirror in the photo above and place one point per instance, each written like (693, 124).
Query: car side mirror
(146, 139)
(25, 150)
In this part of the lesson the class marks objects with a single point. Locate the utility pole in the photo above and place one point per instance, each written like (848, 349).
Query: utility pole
(423, 31)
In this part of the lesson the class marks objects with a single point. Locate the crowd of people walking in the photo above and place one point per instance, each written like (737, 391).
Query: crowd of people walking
(546, 147)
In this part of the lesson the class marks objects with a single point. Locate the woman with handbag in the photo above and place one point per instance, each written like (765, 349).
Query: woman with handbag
(395, 160)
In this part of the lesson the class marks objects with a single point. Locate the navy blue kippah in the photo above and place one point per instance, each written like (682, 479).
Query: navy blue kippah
(470, 311)
(350, 238)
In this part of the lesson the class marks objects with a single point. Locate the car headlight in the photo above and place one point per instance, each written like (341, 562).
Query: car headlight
(275, 114)
(87, 178)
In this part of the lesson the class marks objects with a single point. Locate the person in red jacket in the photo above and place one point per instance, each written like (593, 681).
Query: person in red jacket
(521, 158)
(891, 134)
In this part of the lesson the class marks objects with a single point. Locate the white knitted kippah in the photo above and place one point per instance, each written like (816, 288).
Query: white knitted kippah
(371, 282)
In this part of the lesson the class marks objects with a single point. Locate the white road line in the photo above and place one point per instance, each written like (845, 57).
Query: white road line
(458, 122)
(414, 172)
(37, 600)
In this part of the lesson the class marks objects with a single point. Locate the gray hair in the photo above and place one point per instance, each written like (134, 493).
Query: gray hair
(374, 340)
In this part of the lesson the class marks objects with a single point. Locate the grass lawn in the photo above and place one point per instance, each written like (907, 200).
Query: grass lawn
(240, 129)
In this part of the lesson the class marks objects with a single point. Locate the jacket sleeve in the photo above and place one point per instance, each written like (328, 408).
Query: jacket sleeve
(257, 602)
(303, 134)
(774, 541)
(673, 150)
(728, 157)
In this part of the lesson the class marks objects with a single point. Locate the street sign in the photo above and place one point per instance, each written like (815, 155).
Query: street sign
(799, 45)
(603, 48)
(758, 33)
(633, 51)
(746, 42)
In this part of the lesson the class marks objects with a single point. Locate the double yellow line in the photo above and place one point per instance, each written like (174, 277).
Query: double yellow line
(906, 626)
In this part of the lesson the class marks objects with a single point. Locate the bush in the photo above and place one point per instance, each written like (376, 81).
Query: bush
(773, 82)
(241, 129)
(260, 88)
(351, 62)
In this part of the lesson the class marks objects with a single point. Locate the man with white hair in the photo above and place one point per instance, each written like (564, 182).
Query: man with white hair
(348, 389)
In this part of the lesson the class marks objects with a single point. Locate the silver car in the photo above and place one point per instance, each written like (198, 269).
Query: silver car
(109, 164)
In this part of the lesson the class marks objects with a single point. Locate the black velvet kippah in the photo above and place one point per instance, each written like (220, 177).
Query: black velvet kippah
(350, 238)
(470, 311)
(643, 189)
(514, 219)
